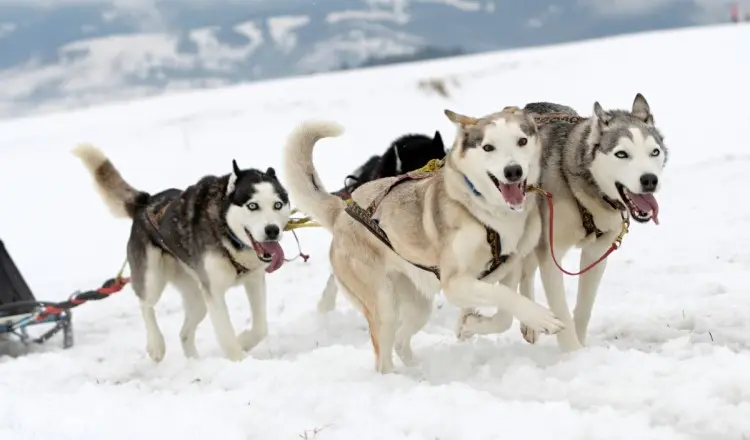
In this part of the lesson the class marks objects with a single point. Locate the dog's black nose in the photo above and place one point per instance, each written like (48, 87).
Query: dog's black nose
(649, 182)
(272, 232)
(513, 173)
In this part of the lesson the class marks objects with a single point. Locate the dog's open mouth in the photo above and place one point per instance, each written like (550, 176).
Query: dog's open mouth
(513, 193)
(642, 207)
(268, 252)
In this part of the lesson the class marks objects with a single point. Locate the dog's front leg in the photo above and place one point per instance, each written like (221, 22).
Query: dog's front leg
(588, 284)
(215, 281)
(255, 287)
(554, 289)
(472, 323)
(463, 290)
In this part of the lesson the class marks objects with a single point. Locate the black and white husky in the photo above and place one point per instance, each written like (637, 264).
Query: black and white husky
(218, 233)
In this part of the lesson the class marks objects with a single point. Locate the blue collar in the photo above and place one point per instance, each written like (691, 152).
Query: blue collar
(471, 186)
(238, 244)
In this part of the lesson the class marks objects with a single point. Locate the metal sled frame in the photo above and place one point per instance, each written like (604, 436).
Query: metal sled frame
(19, 309)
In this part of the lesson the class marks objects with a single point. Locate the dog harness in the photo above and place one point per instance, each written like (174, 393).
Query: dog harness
(155, 214)
(365, 217)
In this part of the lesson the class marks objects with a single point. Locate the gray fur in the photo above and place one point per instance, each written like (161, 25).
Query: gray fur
(572, 149)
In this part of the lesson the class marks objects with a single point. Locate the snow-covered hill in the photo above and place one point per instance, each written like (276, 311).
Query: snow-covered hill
(69, 53)
(669, 343)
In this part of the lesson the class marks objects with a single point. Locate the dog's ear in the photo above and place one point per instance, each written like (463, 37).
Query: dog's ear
(437, 140)
(233, 177)
(529, 118)
(461, 120)
(641, 110)
(603, 118)
(270, 172)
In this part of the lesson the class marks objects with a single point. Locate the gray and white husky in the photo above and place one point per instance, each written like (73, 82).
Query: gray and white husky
(218, 233)
(595, 168)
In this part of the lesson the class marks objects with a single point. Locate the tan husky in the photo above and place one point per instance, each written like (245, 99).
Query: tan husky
(461, 229)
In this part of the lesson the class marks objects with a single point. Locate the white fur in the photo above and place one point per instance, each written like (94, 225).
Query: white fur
(198, 302)
(240, 218)
(503, 135)
(396, 295)
(608, 168)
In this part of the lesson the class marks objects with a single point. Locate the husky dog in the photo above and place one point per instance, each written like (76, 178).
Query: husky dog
(597, 169)
(461, 229)
(216, 234)
(407, 153)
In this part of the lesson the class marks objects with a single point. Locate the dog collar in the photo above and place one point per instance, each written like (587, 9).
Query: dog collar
(239, 244)
(471, 186)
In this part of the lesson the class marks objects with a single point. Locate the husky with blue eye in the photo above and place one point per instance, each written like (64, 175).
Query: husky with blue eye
(597, 169)
(221, 232)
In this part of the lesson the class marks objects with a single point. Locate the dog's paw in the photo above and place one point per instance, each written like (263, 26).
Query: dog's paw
(235, 354)
(406, 355)
(529, 335)
(467, 323)
(156, 349)
(250, 338)
(538, 318)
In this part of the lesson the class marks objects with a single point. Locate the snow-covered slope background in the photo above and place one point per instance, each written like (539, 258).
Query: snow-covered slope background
(669, 343)
(57, 54)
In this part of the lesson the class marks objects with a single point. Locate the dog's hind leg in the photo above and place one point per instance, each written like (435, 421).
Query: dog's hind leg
(195, 312)
(255, 288)
(414, 310)
(148, 282)
(387, 314)
(374, 297)
(327, 300)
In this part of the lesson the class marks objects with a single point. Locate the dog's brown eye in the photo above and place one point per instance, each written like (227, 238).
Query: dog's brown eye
(522, 142)
(488, 147)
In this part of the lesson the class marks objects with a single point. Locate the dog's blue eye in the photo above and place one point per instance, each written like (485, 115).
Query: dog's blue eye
(656, 152)
(277, 205)
(621, 155)
(252, 206)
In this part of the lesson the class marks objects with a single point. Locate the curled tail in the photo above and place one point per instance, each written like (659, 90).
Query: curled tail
(122, 199)
(304, 185)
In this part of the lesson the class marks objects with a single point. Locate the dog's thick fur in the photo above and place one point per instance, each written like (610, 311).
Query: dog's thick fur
(207, 232)
(437, 221)
(614, 158)
(407, 153)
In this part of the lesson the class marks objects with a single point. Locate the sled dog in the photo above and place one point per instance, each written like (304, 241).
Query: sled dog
(217, 233)
(407, 153)
(598, 169)
(461, 229)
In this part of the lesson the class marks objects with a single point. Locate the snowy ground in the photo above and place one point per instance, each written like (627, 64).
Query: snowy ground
(669, 347)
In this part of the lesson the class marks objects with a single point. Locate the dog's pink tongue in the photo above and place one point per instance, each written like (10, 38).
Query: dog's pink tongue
(274, 249)
(513, 193)
(647, 203)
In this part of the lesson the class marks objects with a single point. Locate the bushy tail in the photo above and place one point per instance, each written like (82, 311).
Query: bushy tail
(122, 199)
(305, 188)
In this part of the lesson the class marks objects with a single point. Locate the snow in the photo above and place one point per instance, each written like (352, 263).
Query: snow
(669, 342)
(282, 30)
